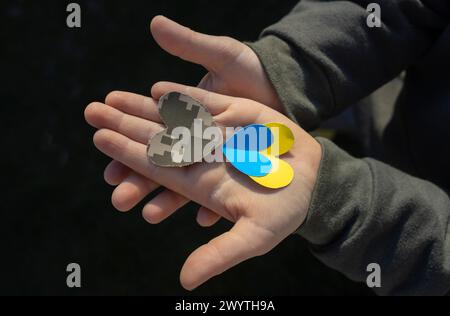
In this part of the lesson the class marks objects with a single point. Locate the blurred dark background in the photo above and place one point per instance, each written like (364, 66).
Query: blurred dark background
(55, 205)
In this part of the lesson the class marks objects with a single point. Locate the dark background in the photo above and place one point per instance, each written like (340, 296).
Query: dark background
(55, 205)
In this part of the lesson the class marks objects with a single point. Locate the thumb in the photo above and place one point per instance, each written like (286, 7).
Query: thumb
(212, 52)
(244, 241)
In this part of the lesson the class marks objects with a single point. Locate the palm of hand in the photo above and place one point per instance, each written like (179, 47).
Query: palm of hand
(233, 69)
(262, 217)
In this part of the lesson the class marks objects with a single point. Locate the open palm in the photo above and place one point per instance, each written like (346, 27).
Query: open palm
(262, 217)
(232, 69)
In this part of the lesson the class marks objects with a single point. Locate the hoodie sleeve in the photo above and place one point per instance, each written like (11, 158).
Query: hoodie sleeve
(323, 56)
(363, 211)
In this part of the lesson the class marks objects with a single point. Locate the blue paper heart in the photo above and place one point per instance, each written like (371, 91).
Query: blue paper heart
(243, 150)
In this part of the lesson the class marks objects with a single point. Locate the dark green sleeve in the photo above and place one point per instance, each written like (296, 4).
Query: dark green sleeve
(323, 56)
(363, 211)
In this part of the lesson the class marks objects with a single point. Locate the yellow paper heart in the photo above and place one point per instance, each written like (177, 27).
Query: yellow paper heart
(278, 177)
(281, 173)
(283, 139)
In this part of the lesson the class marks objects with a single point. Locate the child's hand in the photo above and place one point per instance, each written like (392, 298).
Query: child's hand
(233, 68)
(263, 217)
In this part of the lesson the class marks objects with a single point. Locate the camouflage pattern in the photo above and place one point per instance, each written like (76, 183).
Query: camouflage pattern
(178, 110)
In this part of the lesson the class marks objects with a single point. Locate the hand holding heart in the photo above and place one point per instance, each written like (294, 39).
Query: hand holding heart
(263, 217)
(232, 69)
(252, 150)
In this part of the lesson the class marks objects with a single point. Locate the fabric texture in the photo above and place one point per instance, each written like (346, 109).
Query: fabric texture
(393, 208)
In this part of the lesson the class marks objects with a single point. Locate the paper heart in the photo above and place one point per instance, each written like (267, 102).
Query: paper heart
(243, 150)
(281, 173)
(259, 147)
(253, 150)
(178, 110)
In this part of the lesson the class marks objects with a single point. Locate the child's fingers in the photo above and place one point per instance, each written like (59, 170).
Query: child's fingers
(134, 104)
(134, 155)
(132, 187)
(245, 240)
(216, 103)
(227, 111)
(115, 172)
(101, 115)
(162, 206)
(206, 217)
(131, 191)
(213, 52)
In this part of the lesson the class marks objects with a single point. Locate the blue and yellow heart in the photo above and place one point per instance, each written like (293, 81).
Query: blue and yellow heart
(254, 151)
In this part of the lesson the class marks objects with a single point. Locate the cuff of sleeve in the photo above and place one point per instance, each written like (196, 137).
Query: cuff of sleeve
(333, 205)
(296, 85)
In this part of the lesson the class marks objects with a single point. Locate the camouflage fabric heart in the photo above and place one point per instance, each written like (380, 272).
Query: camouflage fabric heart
(179, 110)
